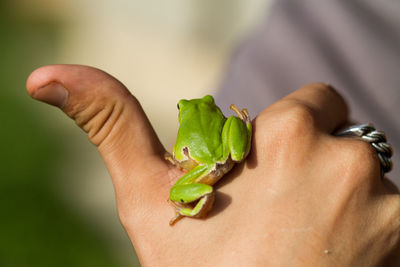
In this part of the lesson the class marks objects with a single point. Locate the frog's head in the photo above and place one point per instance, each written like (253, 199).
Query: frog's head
(184, 104)
(186, 107)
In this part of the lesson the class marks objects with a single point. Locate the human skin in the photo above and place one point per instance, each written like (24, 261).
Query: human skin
(303, 197)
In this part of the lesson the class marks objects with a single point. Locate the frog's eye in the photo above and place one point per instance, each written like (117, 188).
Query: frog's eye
(181, 103)
(208, 98)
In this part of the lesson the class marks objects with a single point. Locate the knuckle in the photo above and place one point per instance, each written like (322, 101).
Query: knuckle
(292, 125)
(301, 112)
(319, 86)
(322, 88)
(326, 93)
(297, 120)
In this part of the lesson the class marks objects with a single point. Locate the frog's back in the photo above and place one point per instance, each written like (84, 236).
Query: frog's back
(201, 124)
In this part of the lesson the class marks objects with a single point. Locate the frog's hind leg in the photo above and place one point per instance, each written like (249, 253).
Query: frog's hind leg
(201, 208)
(245, 128)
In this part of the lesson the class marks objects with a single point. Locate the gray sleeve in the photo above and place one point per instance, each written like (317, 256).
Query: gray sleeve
(352, 45)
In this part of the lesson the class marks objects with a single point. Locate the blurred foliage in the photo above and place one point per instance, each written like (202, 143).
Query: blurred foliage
(36, 227)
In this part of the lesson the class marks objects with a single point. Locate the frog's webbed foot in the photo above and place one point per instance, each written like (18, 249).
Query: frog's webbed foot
(243, 114)
(202, 207)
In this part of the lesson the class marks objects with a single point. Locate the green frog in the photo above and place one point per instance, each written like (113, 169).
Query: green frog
(207, 147)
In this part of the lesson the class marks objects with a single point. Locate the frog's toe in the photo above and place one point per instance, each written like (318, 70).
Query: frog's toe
(176, 218)
(243, 114)
(169, 157)
(202, 207)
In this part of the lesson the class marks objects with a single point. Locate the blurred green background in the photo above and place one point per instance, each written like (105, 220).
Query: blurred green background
(56, 198)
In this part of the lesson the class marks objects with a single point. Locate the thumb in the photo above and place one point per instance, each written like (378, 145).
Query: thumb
(112, 117)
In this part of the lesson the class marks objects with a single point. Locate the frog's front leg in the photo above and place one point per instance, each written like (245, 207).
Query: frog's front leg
(187, 164)
(186, 191)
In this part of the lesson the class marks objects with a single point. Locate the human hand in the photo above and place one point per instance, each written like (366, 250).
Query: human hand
(303, 197)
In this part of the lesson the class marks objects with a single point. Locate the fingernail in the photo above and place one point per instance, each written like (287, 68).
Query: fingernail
(53, 93)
